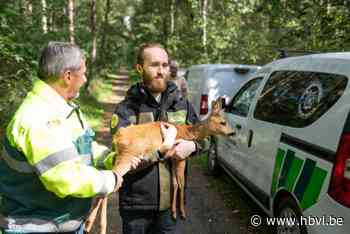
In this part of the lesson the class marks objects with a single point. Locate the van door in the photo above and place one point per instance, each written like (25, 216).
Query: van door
(261, 153)
(232, 151)
(264, 141)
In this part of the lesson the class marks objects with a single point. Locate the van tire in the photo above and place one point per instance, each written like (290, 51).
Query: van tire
(288, 208)
(213, 165)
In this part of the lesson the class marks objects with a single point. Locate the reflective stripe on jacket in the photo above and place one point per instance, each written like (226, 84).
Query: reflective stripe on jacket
(47, 165)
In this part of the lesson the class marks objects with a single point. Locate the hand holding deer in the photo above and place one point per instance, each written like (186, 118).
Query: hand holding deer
(168, 133)
(181, 150)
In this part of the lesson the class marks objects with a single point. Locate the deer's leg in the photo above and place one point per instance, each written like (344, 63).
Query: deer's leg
(122, 164)
(181, 181)
(175, 188)
(103, 217)
(93, 213)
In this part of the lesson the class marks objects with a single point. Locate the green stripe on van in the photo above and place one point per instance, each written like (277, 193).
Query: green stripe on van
(293, 174)
(304, 178)
(287, 164)
(276, 172)
(313, 190)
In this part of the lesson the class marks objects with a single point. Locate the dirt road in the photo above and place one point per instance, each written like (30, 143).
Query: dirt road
(207, 208)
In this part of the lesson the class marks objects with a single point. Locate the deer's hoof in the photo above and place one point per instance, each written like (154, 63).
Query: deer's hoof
(174, 216)
(183, 215)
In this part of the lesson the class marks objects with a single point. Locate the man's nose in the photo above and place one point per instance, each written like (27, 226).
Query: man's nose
(162, 70)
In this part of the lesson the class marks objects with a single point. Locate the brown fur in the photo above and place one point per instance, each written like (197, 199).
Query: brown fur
(144, 139)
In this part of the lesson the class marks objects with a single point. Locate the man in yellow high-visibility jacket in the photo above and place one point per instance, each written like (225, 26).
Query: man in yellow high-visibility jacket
(49, 159)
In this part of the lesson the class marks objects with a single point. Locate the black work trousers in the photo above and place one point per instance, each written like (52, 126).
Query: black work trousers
(148, 222)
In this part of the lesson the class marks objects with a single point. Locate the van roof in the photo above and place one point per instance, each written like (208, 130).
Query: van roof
(325, 62)
(216, 66)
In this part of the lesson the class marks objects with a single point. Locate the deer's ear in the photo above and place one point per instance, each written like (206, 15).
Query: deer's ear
(219, 101)
(216, 106)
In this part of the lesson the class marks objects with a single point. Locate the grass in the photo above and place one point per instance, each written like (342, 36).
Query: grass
(101, 88)
(90, 101)
(92, 110)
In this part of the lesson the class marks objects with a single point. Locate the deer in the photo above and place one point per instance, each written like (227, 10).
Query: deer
(144, 139)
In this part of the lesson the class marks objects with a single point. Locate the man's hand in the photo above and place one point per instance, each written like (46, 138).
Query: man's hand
(134, 162)
(169, 135)
(181, 150)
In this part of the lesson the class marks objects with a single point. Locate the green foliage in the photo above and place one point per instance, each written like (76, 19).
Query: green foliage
(91, 100)
(16, 76)
(134, 77)
(92, 109)
(238, 31)
(101, 87)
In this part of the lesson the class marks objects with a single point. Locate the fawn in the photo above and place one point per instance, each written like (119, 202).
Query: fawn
(146, 138)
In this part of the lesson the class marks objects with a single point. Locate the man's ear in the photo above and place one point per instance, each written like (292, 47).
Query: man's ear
(139, 68)
(67, 76)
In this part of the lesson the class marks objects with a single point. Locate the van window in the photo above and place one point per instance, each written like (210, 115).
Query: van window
(298, 98)
(241, 102)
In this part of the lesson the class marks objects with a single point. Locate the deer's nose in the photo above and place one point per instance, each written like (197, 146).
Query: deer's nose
(232, 134)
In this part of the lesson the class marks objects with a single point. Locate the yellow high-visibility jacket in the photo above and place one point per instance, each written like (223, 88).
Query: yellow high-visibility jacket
(48, 166)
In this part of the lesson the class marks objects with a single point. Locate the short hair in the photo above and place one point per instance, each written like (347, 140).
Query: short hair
(58, 57)
(143, 47)
(173, 63)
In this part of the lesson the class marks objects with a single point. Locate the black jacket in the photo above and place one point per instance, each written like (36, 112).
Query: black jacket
(140, 190)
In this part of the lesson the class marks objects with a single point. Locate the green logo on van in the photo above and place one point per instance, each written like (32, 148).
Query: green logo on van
(300, 177)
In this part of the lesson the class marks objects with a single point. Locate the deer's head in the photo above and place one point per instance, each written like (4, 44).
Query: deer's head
(216, 123)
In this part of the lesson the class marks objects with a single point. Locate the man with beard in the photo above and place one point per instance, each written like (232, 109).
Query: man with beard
(144, 198)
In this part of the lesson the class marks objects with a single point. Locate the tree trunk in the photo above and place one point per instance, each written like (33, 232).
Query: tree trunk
(172, 17)
(204, 24)
(94, 43)
(105, 25)
(71, 20)
(93, 31)
(29, 8)
(44, 16)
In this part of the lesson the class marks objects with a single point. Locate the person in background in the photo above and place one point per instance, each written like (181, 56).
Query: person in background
(180, 81)
(49, 158)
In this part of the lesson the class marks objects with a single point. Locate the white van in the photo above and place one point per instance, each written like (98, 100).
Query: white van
(207, 82)
(291, 152)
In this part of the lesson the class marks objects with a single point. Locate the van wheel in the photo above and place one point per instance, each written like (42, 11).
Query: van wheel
(213, 166)
(289, 209)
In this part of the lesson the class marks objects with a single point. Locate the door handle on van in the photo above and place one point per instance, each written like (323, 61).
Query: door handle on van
(250, 138)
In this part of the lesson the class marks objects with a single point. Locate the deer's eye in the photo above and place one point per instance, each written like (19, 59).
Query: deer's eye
(223, 123)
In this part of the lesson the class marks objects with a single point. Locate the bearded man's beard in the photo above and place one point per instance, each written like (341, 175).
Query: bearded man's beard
(155, 85)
